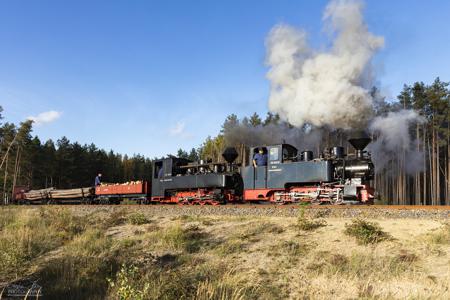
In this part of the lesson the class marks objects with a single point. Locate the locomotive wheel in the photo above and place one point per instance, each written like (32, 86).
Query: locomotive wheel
(184, 202)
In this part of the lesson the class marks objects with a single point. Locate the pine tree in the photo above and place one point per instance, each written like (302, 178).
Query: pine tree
(255, 120)
(193, 155)
(182, 154)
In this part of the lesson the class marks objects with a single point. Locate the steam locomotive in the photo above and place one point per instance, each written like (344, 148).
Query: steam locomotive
(289, 176)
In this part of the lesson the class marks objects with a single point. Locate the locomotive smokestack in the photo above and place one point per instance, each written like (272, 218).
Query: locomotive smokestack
(359, 142)
(230, 154)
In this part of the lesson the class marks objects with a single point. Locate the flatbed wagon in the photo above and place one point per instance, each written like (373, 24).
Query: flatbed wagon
(138, 191)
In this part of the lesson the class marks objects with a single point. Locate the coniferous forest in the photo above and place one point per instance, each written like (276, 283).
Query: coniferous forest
(25, 160)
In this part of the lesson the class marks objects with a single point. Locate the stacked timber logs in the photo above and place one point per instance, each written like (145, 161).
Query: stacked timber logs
(52, 193)
(38, 194)
(71, 193)
(124, 183)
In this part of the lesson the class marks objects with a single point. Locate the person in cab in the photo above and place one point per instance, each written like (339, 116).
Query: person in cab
(260, 158)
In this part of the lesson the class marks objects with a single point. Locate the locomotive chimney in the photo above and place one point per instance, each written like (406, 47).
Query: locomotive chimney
(359, 143)
(230, 154)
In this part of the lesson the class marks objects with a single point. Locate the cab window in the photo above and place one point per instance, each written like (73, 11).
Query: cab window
(158, 168)
(273, 154)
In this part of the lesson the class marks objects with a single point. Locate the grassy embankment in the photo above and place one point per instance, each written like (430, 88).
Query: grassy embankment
(131, 255)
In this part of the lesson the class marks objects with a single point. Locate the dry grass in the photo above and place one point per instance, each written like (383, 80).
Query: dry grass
(180, 238)
(125, 256)
(363, 265)
(230, 247)
(27, 234)
(441, 236)
(92, 243)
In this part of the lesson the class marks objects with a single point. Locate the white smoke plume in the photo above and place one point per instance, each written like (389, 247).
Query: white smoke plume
(324, 88)
(332, 87)
(330, 90)
(394, 140)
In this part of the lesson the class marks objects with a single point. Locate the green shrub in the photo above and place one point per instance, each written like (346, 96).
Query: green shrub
(366, 232)
(126, 285)
(308, 224)
(137, 219)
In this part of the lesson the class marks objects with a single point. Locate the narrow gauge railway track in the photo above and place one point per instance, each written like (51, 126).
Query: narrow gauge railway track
(264, 206)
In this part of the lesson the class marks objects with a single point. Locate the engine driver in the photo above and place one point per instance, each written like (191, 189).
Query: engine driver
(260, 158)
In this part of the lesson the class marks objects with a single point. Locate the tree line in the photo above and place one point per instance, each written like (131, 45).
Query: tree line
(28, 161)
(394, 183)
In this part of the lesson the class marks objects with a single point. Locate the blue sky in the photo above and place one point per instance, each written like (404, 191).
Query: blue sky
(150, 77)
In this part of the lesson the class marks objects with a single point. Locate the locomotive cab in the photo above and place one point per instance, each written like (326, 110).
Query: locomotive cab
(259, 177)
(285, 168)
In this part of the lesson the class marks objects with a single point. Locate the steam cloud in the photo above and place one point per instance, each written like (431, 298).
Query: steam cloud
(394, 138)
(330, 89)
(324, 88)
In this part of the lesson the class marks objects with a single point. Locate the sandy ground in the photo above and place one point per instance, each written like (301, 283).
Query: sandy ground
(273, 258)
(328, 263)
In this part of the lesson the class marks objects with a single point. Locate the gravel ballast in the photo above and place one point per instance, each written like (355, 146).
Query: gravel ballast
(273, 211)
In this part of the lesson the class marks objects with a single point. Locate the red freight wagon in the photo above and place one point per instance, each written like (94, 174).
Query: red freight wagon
(137, 190)
(19, 193)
